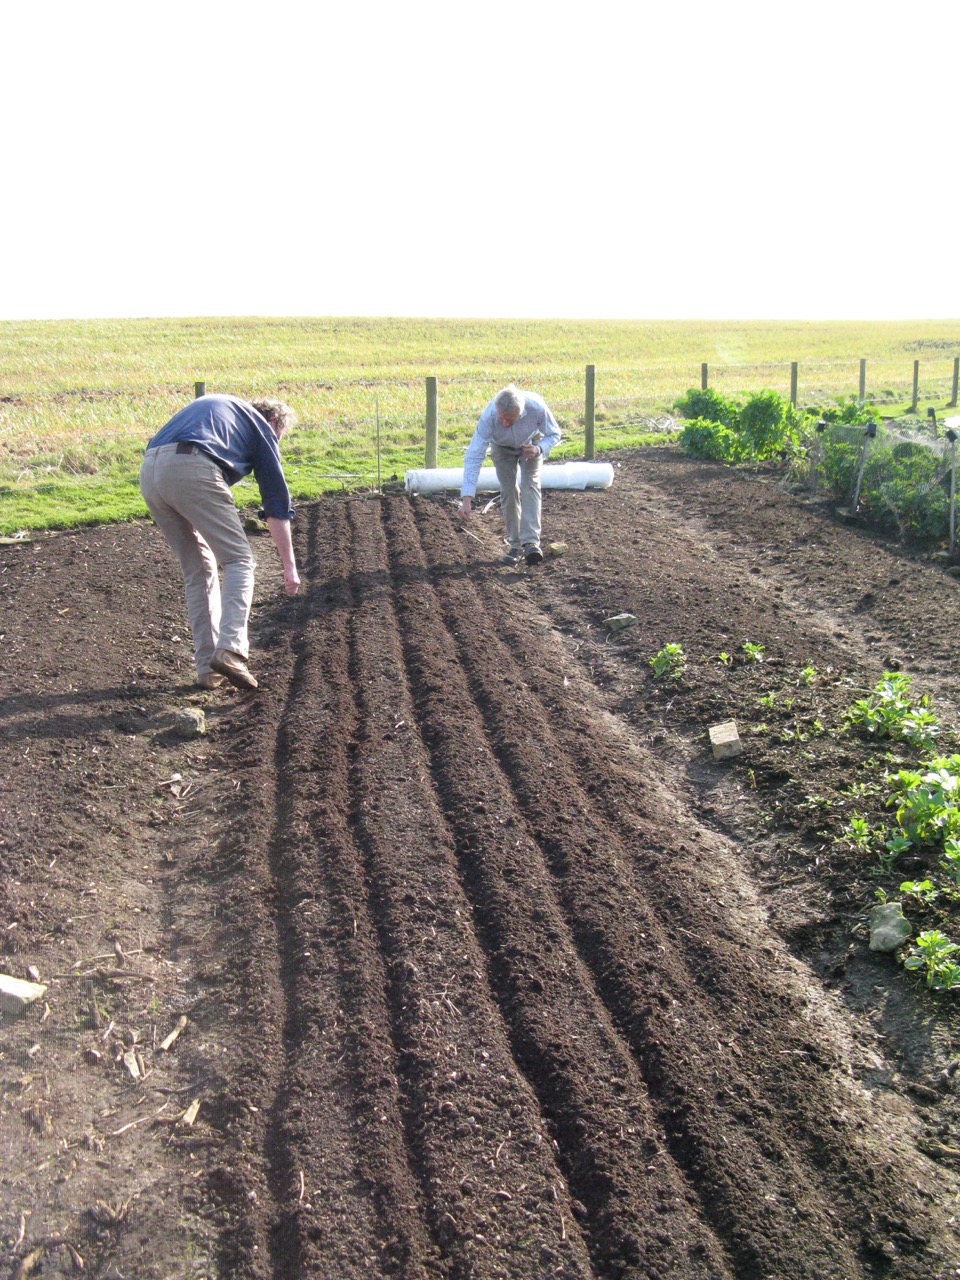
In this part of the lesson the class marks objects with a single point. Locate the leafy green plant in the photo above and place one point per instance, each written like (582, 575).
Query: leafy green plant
(859, 832)
(933, 951)
(768, 425)
(924, 890)
(707, 405)
(807, 676)
(754, 652)
(714, 441)
(670, 661)
(926, 801)
(724, 658)
(950, 865)
(888, 712)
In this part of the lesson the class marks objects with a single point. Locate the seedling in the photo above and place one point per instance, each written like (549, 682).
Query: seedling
(767, 699)
(934, 951)
(921, 889)
(926, 802)
(807, 676)
(888, 713)
(753, 651)
(724, 658)
(858, 832)
(670, 662)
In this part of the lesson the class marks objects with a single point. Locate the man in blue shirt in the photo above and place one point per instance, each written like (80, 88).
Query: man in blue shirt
(519, 430)
(185, 480)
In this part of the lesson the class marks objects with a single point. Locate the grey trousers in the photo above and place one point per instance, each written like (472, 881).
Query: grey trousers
(190, 500)
(519, 498)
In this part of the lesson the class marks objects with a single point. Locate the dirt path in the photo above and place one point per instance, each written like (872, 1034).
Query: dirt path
(489, 969)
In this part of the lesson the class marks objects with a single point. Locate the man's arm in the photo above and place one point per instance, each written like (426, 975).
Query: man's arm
(283, 540)
(551, 432)
(473, 461)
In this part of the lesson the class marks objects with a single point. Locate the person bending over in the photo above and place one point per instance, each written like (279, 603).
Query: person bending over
(519, 430)
(185, 479)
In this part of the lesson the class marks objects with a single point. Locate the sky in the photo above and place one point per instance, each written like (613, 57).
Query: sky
(610, 160)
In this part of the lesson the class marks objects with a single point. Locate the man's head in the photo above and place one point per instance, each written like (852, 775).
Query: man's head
(509, 405)
(279, 415)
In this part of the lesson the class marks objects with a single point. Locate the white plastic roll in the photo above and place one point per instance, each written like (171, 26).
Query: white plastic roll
(553, 475)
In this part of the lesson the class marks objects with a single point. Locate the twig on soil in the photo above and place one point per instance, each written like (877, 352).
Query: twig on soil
(181, 1024)
(115, 1133)
(113, 975)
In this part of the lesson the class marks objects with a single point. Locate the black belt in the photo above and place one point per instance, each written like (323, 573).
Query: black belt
(184, 446)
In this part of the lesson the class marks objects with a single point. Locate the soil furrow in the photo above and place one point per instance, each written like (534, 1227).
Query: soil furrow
(339, 1110)
(588, 1086)
(666, 1005)
(497, 1201)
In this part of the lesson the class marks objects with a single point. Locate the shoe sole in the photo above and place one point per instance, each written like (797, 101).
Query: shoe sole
(239, 679)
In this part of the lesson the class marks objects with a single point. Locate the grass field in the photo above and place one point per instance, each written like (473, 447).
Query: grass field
(79, 399)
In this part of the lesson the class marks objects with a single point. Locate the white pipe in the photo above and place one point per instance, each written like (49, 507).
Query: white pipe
(553, 475)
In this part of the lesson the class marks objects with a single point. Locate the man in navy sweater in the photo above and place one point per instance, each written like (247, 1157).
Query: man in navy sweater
(185, 480)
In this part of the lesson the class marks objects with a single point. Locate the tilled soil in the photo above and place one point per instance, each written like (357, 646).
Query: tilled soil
(488, 968)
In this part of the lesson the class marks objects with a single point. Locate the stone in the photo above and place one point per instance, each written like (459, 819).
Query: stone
(556, 548)
(16, 995)
(889, 928)
(725, 740)
(620, 620)
(190, 722)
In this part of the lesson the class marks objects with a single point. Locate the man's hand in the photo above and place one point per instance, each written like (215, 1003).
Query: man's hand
(530, 451)
(280, 532)
(466, 508)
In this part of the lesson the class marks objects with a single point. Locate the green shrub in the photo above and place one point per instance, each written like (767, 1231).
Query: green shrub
(770, 426)
(765, 426)
(708, 405)
(712, 440)
(851, 413)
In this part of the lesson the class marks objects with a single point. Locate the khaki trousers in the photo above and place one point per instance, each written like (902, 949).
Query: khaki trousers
(190, 500)
(519, 501)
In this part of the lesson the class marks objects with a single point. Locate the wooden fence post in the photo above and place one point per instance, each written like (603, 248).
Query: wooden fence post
(589, 412)
(431, 455)
(793, 383)
(703, 377)
(956, 379)
(916, 385)
(863, 381)
(199, 389)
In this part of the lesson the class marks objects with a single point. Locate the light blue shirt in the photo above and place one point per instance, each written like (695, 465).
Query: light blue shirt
(536, 425)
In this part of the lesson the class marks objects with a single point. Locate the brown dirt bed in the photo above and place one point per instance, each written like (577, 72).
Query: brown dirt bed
(489, 969)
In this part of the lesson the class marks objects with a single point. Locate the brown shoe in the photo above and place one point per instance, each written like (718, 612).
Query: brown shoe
(209, 680)
(232, 666)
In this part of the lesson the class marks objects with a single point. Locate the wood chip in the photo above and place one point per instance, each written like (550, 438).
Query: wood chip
(190, 1114)
(174, 1034)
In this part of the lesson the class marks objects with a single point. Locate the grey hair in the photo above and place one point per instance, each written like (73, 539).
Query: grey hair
(279, 415)
(510, 399)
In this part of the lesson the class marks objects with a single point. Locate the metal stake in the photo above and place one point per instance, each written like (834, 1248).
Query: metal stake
(952, 437)
(870, 433)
